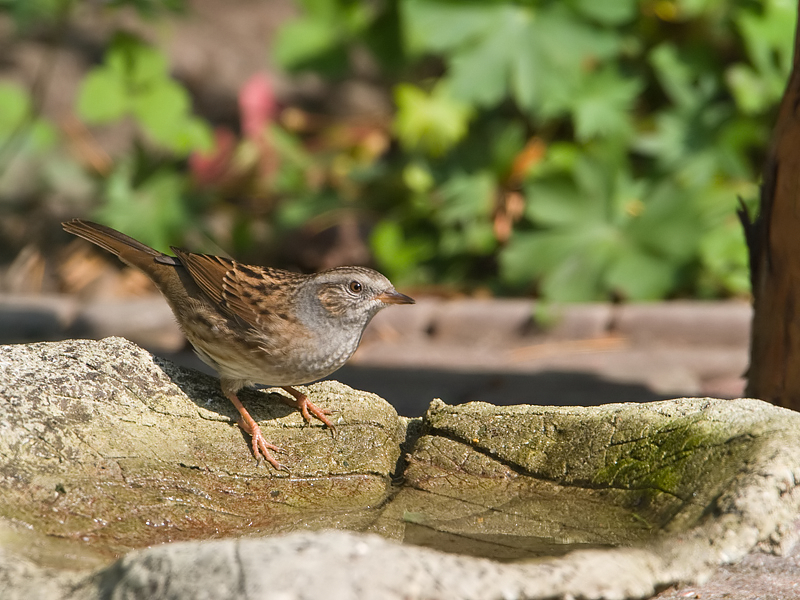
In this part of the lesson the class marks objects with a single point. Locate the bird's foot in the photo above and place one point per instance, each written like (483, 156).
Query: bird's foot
(261, 447)
(307, 408)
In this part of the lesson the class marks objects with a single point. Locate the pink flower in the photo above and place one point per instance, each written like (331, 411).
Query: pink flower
(257, 105)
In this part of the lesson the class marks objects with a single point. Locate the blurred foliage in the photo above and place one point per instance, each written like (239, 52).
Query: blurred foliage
(134, 80)
(144, 192)
(585, 150)
(576, 149)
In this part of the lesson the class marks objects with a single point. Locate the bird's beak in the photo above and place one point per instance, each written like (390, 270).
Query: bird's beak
(394, 297)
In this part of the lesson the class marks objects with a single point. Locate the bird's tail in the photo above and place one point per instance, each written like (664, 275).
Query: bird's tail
(130, 251)
(107, 238)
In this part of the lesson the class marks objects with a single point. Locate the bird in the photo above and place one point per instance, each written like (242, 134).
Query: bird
(258, 325)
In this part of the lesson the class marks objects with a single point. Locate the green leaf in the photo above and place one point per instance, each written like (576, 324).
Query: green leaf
(487, 64)
(398, 257)
(163, 112)
(555, 201)
(464, 211)
(639, 276)
(302, 40)
(479, 72)
(603, 105)
(752, 93)
(669, 224)
(153, 212)
(102, 97)
(564, 49)
(578, 277)
(725, 261)
(423, 21)
(466, 197)
(135, 80)
(417, 177)
(604, 233)
(529, 79)
(432, 122)
(321, 39)
(608, 12)
(575, 280)
(139, 65)
(690, 138)
(15, 107)
(767, 30)
(194, 134)
(768, 33)
(528, 256)
(538, 55)
(688, 76)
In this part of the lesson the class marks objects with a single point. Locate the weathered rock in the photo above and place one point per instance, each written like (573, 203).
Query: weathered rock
(610, 474)
(107, 445)
(104, 448)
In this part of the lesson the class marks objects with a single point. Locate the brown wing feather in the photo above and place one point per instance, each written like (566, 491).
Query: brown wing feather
(207, 271)
(252, 290)
(238, 289)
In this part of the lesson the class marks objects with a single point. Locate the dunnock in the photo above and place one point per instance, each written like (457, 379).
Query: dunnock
(258, 324)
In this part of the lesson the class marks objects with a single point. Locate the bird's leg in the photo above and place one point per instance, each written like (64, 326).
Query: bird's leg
(261, 447)
(306, 407)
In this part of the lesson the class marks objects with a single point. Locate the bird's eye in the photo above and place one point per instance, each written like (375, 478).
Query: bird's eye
(355, 287)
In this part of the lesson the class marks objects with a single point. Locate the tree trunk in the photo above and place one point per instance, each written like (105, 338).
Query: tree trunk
(773, 240)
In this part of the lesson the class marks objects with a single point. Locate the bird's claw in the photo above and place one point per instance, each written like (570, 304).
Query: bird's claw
(261, 447)
(307, 408)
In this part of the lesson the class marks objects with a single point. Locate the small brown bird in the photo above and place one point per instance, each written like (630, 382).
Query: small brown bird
(258, 324)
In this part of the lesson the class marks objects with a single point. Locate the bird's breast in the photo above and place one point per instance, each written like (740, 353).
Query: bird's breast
(324, 354)
(273, 360)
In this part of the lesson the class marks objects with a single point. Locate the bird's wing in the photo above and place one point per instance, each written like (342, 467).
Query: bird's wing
(241, 290)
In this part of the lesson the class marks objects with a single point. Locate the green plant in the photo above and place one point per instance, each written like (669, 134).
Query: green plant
(146, 191)
(571, 148)
(578, 149)
(134, 81)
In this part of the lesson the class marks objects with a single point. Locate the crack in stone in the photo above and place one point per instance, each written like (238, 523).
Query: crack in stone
(485, 507)
(40, 436)
(664, 431)
(520, 470)
(86, 443)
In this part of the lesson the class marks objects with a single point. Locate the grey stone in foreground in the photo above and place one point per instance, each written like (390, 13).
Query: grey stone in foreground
(338, 565)
(103, 444)
(105, 450)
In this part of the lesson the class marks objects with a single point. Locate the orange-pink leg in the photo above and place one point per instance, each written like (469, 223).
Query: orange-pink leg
(261, 447)
(307, 408)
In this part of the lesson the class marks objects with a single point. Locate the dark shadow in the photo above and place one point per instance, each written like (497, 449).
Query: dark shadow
(202, 385)
(22, 325)
(410, 391)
